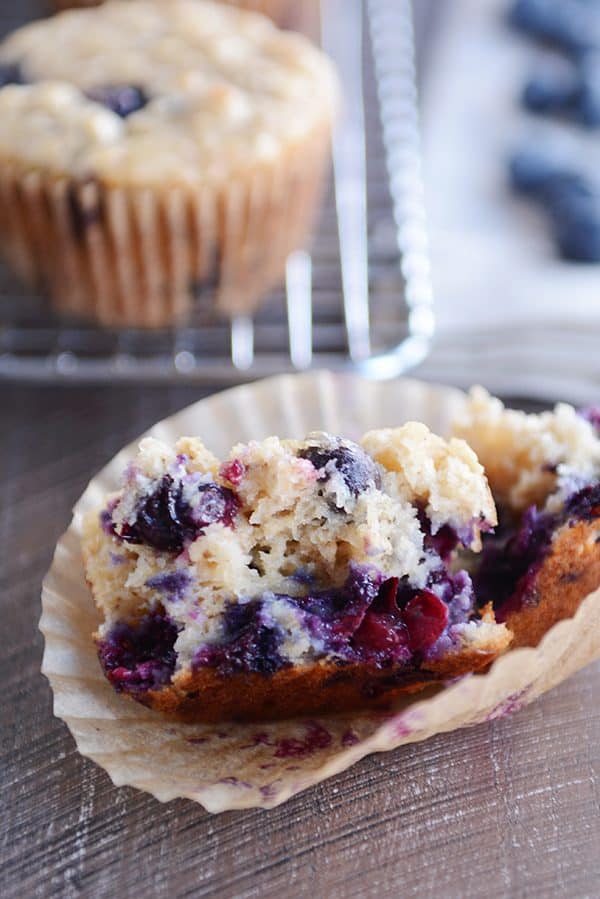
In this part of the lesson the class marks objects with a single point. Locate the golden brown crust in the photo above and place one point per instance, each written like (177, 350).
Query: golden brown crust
(322, 688)
(566, 577)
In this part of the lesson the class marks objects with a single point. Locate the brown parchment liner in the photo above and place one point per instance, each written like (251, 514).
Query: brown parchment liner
(136, 256)
(279, 10)
(232, 766)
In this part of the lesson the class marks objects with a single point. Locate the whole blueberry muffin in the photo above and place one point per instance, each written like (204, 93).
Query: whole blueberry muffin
(159, 154)
(296, 577)
(275, 9)
(544, 472)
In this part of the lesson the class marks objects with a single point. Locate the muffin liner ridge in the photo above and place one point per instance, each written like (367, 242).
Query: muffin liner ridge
(233, 766)
(134, 256)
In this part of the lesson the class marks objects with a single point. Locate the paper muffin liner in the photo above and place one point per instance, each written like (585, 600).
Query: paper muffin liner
(229, 766)
(278, 10)
(147, 257)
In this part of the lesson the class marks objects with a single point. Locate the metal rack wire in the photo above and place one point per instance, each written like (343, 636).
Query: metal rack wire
(360, 300)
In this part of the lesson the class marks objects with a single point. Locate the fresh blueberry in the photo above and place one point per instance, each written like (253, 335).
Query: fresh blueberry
(589, 92)
(530, 171)
(330, 454)
(565, 191)
(555, 87)
(576, 225)
(11, 73)
(122, 99)
(569, 24)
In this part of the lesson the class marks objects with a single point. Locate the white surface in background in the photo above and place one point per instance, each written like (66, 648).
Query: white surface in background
(493, 261)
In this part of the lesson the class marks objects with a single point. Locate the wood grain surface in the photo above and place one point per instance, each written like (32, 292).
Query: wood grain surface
(510, 808)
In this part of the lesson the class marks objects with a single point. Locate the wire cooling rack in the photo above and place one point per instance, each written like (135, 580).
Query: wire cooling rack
(361, 299)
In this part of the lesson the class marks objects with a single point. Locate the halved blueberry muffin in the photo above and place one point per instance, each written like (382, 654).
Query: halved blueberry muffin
(296, 577)
(160, 158)
(544, 472)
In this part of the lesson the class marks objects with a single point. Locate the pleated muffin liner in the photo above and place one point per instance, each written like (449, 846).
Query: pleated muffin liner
(149, 256)
(233, 766)
(278, 10)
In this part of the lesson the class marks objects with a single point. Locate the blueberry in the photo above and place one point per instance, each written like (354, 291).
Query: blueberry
(530, 171)
(141, 656)
(578, 238)
(11, 73)
(560, 87)
(585, 504)
(566, 190)
(589, 93)
(166, 521)
(555, 87)
(121, 99)
(216, 504)
(574, 208)
(544, 95)
(162, 521)
(250, 644)
(330, 454)
(569, 24)
(425, 617)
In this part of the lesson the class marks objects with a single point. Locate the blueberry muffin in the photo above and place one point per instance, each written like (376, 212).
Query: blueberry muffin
(544, 472)
(170, 154)
(295, 577)
(275, 9)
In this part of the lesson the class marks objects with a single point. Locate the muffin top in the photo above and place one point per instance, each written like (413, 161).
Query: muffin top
(155, 90)
(527, 457)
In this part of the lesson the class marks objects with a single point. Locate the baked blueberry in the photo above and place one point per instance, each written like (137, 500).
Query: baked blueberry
(250, 643)
(122, 99)
(330, 455)
(165, 520)
(139, 657)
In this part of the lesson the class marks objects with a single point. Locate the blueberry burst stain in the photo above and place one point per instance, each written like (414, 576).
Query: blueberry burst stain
(122, 99)
(166, 521)
(369, 619)
(139, 657)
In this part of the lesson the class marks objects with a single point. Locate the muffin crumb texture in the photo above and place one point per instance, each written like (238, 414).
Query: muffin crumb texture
(290, 556)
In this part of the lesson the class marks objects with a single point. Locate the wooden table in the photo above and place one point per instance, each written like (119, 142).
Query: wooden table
(509, 808)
